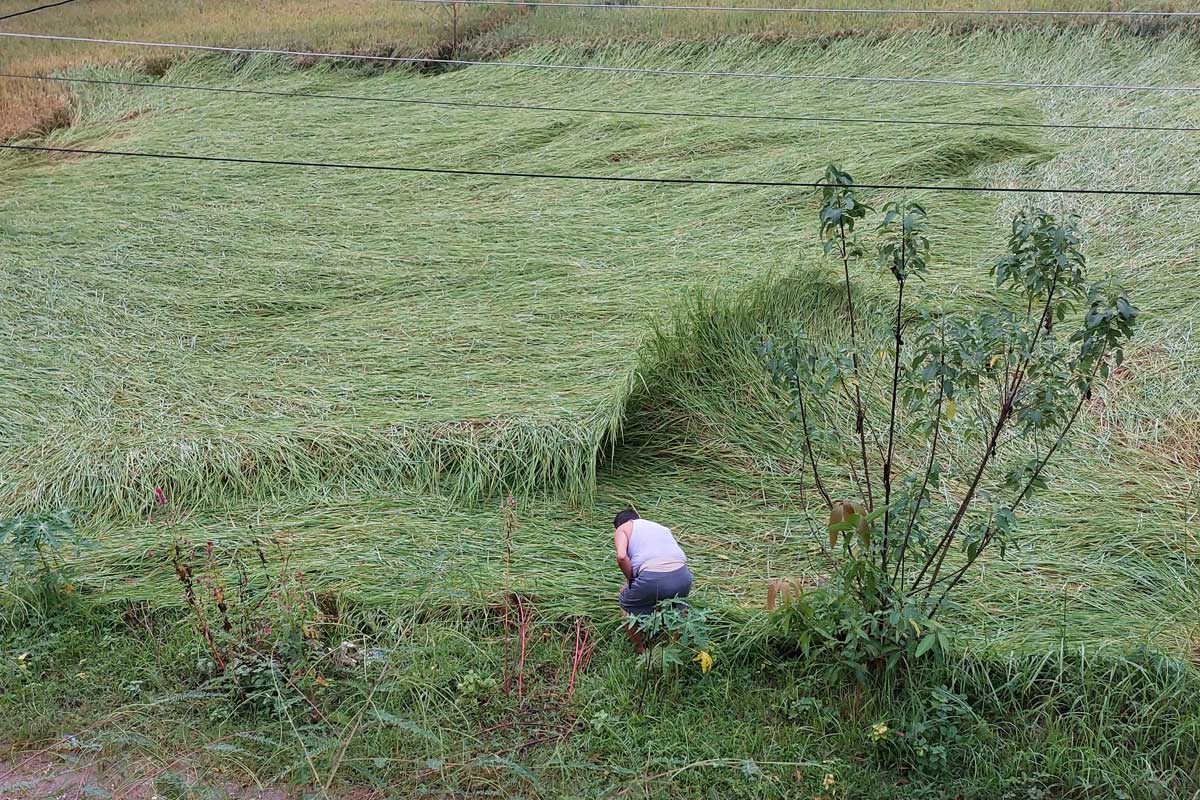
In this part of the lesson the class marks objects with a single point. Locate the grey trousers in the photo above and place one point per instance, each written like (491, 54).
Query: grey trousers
(648, 588)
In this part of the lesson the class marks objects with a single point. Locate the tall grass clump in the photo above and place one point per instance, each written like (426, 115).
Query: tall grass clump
(468, 460)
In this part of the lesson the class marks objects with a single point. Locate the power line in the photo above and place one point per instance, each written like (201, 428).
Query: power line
(634, 6)
(609, 69)
(609, 110)
(602, 178)
(36, 8)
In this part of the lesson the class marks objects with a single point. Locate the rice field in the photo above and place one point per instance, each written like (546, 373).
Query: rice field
(376, 26)
(360, 365)
(438, 30)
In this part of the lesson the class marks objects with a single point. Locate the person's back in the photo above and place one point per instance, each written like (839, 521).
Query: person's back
(652, 548)
(654, 565)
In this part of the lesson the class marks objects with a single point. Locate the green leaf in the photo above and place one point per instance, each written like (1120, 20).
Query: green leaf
(926, 644)
(391, 721)
(224, 747)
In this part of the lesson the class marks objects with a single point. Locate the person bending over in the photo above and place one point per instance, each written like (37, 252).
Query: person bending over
(654, 565)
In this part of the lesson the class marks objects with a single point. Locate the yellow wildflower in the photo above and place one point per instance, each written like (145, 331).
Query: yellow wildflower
(705, 659)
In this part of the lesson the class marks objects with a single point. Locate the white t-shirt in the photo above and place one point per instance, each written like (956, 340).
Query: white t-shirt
(652, 548)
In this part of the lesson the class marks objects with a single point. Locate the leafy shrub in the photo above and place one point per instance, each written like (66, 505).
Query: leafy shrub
(924, 740)
(977, 406)
(831, 620)
(476, 688)
(673, 635)
(31, 555)
(602, 721)
(262, 639)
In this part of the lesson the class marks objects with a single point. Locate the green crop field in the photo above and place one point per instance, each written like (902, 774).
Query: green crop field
(385, 27)
(353, 370)
(363, 362)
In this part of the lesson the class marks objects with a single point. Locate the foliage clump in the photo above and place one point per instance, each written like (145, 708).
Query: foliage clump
(262, 635)
(976, 406)
(671, 636)
(32, 560)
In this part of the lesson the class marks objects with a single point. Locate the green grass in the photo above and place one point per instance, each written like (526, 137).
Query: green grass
(654, 25)
(431, 301)
(358, 364)
(384, 27)
(119, 690)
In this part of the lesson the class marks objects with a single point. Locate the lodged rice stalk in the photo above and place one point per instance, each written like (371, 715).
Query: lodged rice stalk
(359, 365)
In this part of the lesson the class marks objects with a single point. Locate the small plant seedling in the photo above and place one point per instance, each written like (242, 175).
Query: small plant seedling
(31, 553)
(674, 634)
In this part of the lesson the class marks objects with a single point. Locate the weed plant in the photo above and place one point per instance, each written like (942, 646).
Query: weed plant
(118, 689)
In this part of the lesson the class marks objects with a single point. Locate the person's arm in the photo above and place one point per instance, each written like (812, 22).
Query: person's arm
(621, 544)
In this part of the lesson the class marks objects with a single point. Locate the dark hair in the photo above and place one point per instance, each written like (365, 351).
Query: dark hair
(623, 516)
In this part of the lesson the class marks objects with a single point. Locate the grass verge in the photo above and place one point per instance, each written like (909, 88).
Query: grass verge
(116, 701)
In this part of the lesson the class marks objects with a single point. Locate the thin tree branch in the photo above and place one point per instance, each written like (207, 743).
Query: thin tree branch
(859, 415)
(891, 445)
(937, 427)
(955, 577)
(1043, 321)
(808, 445)
(948, 538)
(1005, 413)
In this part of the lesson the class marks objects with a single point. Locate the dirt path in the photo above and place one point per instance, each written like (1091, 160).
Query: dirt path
(49, 775)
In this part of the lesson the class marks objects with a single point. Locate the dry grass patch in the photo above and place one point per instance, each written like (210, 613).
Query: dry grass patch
(352, 26)
(385, 27)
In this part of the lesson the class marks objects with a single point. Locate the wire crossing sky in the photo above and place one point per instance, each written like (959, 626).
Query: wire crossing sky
(606, 178)
(963, 12)
(615, 70)
(606, 110)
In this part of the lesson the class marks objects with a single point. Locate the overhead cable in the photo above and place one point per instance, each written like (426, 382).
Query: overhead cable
(603, 110)
(963, 12)
(602, 178)
(35, 8)
(597, 68)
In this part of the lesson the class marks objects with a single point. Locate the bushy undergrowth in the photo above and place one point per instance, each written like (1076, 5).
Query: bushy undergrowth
(426, 712)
